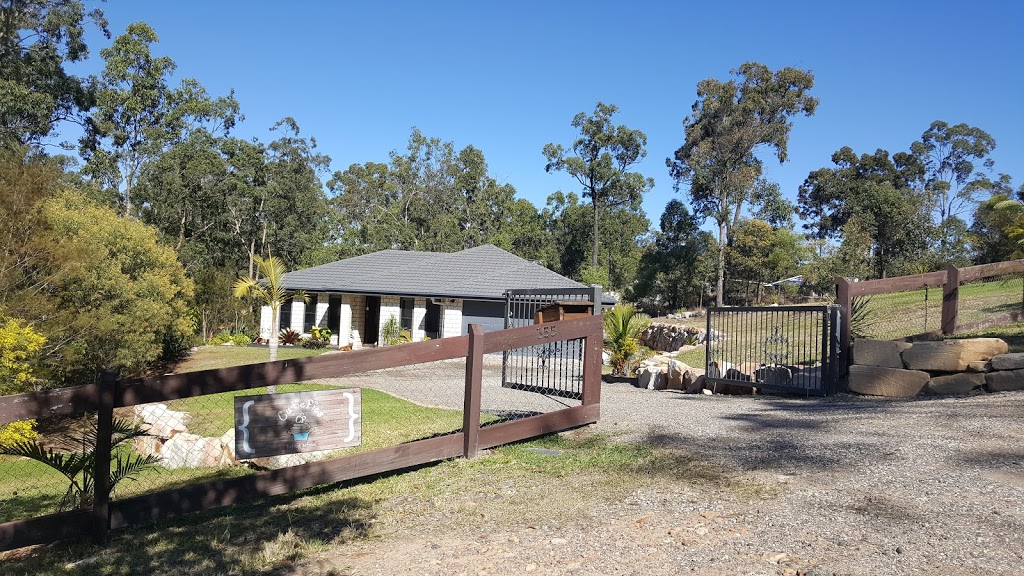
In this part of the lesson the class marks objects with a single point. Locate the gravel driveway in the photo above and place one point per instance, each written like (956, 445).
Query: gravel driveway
(859, 486)
(873, 486)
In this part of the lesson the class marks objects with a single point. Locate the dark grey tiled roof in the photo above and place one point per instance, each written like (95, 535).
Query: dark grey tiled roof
(484, 272)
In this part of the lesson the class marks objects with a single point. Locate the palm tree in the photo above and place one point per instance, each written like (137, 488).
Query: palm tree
(267, 288)
(75, 458)
(622, 327)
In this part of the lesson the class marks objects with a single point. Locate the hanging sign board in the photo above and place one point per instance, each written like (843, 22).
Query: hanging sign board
(276, 424)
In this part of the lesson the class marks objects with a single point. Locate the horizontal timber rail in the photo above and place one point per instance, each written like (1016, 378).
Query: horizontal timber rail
(950, 280)
(118, 513)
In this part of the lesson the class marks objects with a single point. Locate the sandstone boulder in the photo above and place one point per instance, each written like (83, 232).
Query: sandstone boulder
(881, 353)
(891, 382)
(1005, 381)
(980, 366)
(186, 450)
(774, 375)
(651, 378)
(951, 355)
(962, 383)
(697, 385)
(1013, 361)
(159, 421)
(718, 369)
(675, 375)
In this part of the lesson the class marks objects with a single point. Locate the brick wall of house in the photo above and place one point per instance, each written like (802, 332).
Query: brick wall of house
(451, 319)
(357, 304)
(419, 314)
(389, 306)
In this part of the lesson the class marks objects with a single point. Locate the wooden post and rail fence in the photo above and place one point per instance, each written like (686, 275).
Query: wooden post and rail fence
(949, 279)
(111, 393)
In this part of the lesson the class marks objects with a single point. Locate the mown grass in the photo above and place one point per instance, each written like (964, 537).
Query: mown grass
(903, 314)
(211, 357)
(555, 478)
(31, 489)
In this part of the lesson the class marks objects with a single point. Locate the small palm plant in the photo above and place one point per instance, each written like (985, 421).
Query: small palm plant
(391, 332)
(76, 458)
(622, 327)
(267, 288)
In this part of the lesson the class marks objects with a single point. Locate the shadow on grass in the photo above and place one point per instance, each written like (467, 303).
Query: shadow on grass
(266, 537)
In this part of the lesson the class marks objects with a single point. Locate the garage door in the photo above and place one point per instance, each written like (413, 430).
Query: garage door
(490, 315)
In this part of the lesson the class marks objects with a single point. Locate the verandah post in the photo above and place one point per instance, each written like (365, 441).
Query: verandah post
(950, 300)
(474, 384)
(101, 471)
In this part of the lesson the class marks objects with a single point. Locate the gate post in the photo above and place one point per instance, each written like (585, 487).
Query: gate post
(101, 461)
(950, 300)
(845, 303)
(474, 382)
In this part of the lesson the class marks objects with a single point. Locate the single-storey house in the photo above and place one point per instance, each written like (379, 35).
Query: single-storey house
(435, 295)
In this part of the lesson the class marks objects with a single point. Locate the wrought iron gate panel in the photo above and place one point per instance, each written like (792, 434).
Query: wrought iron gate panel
(789, 349)
(555, 368)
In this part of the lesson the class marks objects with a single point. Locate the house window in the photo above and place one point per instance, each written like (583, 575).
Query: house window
(310, 318)
(284, 315)
(407, 305)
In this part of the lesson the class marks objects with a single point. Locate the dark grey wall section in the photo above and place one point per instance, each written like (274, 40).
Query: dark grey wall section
(490, 315)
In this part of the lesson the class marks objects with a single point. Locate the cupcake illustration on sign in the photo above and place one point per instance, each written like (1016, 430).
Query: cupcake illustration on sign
(298, 413)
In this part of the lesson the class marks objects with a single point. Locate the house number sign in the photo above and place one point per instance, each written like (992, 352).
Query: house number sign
(276, 424)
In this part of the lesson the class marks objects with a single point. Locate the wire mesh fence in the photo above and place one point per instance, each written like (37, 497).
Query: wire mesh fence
(192, 440)
(29, 487)
(897, 315)
(990, 300)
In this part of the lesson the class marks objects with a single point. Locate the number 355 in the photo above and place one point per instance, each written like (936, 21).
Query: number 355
(546, 331)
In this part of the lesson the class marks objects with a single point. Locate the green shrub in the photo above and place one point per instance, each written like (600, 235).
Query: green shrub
(241, 340)
(23, 431)
(313, 343)
(322, 334)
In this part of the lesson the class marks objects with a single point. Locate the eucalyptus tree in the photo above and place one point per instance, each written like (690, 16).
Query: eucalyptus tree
(951, 156)
(139, 115)
(872, 201)
(37, 39)
(730, 122)
(601, 160)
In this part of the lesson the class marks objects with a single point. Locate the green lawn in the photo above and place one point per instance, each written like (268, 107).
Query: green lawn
(29, 489)
(902, 314)
(211, 357)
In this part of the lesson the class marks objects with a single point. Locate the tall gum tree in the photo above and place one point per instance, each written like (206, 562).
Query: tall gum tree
(600, 161)
(731, 121)
(37, 38)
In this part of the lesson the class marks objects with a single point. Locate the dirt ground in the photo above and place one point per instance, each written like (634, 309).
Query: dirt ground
(843, 485)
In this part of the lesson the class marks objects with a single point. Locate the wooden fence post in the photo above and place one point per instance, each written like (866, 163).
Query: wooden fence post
(101, 462)
(593, 346)
(474, 381)
(845, 303)
(950, 300)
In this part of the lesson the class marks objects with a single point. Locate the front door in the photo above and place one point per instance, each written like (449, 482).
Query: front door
(371, 325)
(432, 321)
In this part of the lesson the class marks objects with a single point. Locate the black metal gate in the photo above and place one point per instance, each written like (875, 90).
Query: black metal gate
(554, 368)
(787, 349)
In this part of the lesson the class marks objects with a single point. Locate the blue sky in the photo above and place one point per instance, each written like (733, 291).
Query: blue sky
(508, 77)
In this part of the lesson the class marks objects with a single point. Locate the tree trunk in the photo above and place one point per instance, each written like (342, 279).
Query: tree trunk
(593, 260)
(720, 286)
(273, 341)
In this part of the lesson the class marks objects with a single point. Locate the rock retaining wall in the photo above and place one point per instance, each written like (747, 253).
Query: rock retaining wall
(671, 337)
(948, 367)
